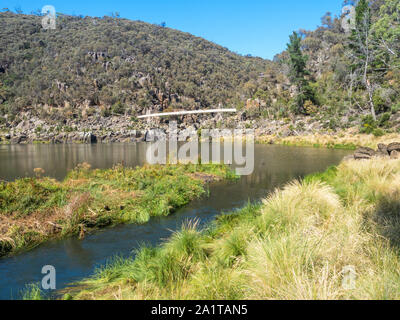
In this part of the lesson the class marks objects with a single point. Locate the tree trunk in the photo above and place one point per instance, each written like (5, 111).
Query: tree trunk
(371, 101)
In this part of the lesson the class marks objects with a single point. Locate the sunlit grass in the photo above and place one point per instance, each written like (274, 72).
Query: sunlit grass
(343, 140)
(296, 245)
(32, 292)
(33, 210)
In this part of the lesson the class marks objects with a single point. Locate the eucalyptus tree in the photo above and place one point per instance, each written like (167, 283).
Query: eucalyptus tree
(373, 45)
(298, 72)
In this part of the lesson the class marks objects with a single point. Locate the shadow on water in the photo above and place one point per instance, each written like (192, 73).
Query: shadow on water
(75, 259)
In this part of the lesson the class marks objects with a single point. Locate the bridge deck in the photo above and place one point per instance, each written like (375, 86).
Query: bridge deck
(183, 113)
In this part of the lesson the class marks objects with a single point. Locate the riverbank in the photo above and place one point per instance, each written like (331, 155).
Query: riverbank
(349, 139)
(34, 210)
(344, 140)
(95, 128)
(333, 235)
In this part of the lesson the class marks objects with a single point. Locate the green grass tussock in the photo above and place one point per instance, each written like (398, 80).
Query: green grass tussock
(32, 292)
(297, 244)
(33, 210)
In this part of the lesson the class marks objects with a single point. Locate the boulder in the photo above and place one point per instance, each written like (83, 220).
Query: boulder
(144, 81)
(383, 148)
(91, 138)
(361, 156)
(155, 135)
(364, 153)
(87, 137)
(60, 137)
(395, 146)
(19, 139)
(395, 154)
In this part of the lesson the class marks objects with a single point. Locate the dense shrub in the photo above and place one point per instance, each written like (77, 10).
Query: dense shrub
(368, 124)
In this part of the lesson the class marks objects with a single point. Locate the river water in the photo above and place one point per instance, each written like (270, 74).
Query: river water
(75, 259)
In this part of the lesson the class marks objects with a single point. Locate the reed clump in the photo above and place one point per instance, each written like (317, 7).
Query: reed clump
(33, 210)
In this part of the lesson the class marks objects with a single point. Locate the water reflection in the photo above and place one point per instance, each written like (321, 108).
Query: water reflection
(18, 161)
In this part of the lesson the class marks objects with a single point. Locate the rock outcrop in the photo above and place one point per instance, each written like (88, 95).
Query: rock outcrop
(364, 153)
(387, 151)
(395, 146)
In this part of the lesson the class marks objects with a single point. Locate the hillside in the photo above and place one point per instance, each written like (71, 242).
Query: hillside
(115, 66)
(336, 62)
(97, 74)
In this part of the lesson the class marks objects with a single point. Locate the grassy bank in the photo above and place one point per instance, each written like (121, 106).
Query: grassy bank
(343, 140)
(33, 210)
(298, 244)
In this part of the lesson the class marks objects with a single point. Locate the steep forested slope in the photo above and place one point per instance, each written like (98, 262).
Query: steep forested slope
(114, 62)
(344, 74)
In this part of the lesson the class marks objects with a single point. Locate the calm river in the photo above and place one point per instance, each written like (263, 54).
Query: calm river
(75, 259)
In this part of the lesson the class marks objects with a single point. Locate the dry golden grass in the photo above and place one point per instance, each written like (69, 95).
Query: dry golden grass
(300, 244)
(344, 139)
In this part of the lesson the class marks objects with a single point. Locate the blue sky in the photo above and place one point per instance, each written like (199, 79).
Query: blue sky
(257, 27)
